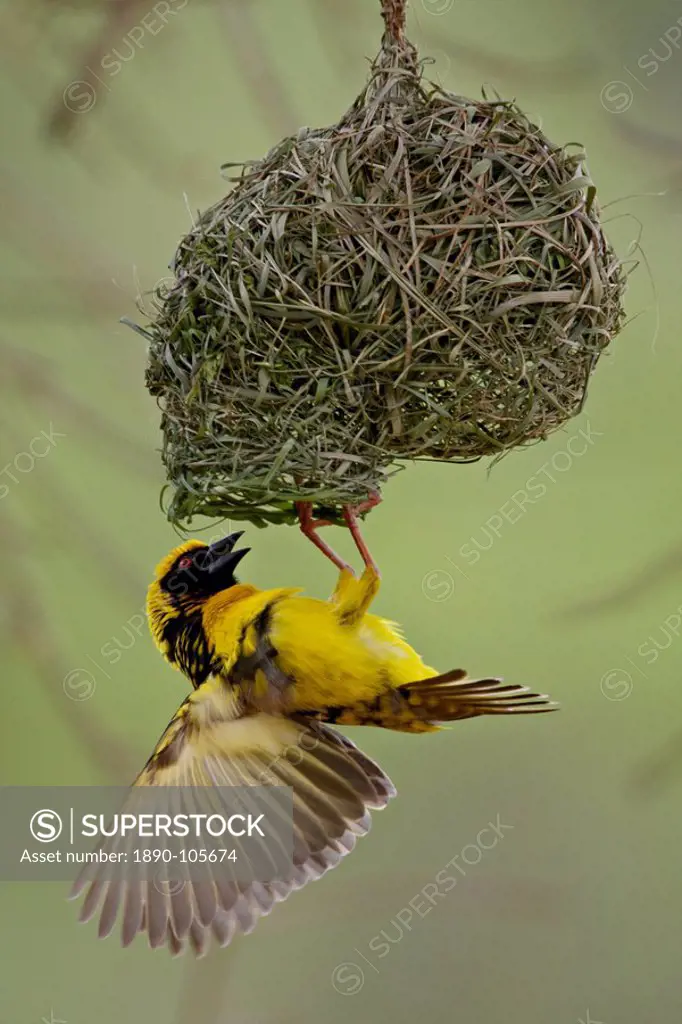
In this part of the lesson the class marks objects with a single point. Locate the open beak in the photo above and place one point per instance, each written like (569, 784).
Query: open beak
(222, 559)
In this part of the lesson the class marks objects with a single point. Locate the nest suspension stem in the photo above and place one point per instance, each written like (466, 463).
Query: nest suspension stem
(394, 15)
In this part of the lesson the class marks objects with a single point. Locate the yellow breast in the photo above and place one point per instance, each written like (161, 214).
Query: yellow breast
(334, 664)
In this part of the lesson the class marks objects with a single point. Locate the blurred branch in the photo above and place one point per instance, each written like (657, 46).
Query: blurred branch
(98, 550)
(25, 302)
(20, 39)
(31, 376)
(249, 53)
(337, 22)
(29, 27)
(646, 579)
(30, 633)
(27, 627)
(86, 88)
(646, 138)
(33, 228)
(660, 768)
(119, 18)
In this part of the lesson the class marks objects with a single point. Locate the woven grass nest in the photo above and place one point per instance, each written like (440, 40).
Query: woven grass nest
(425, 279)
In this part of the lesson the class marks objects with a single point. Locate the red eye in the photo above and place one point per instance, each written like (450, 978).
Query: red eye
(184, 563)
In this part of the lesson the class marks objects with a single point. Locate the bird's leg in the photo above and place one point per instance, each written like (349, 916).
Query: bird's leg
(350, 514)
(310, 526)
(352, 597)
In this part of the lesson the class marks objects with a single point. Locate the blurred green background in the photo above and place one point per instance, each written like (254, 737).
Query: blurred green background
(575, 914)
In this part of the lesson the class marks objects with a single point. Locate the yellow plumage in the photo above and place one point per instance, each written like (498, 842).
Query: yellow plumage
(271, 670)
(334, 652)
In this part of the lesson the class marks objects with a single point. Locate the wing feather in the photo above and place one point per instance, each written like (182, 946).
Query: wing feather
(212, 743)
(133, 911)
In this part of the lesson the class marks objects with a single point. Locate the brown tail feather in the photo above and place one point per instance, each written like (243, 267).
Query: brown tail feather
(452, 695)
(423, 705)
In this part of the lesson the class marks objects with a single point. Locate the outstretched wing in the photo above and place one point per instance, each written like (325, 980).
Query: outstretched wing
(212, 742)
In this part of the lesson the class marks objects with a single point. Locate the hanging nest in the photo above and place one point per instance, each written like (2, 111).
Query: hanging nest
(426, 279)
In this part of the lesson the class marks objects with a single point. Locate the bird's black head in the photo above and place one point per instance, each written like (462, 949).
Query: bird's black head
(196, 571)
(183, 583)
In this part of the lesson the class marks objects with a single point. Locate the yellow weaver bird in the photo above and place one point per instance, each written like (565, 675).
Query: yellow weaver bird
(271, 671)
